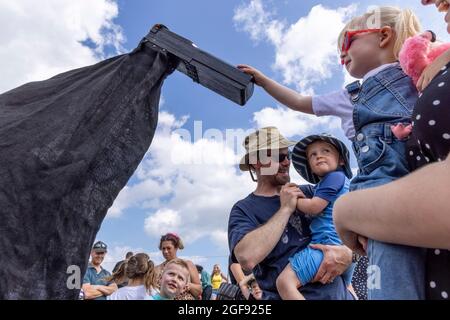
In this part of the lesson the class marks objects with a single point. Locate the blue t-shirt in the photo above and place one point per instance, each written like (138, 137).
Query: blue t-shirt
(254, 211)
(94, 278)
(156, 296)
(330, 188)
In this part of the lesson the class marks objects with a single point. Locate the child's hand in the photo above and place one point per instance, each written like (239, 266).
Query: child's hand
(432, 70)
(260, 78)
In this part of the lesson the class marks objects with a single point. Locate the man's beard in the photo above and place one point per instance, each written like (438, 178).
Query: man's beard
(282, 180)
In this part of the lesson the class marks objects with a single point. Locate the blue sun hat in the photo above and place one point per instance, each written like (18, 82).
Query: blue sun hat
(300, 160)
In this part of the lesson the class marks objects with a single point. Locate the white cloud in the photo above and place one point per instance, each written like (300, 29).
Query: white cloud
(303, 58)
(189, 187)
(254, 19)
(292, 123)
(162, 221)
(42, 38)
(305, 51)
(186, 186)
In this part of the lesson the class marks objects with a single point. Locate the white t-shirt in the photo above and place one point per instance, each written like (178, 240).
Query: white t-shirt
(338, 104)
(129, 293)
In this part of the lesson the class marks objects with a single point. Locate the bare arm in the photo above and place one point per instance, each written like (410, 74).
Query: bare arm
(410, 211)
(91, 291)
(257, 245)
(243, 284)
(432, 70)
(314, 206)
(194, 287)
(237, 272)
(224, 277)
(108, 290)
(284, 95)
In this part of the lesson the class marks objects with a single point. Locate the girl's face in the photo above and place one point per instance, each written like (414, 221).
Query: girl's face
(168, 250)
(216, 269)
(363, 54)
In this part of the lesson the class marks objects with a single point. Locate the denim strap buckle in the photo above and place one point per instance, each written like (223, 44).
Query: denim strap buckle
(353, 89)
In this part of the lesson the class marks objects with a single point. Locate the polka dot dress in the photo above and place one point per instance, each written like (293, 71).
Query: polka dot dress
(430, 142)
(359, 280)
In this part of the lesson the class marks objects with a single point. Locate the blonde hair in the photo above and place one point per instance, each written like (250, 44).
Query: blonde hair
(181, 263)
(404, 23)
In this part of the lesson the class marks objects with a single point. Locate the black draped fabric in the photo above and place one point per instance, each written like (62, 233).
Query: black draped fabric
(68, 145)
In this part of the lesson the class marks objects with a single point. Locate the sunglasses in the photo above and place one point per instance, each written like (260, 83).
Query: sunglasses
(281, 157)
(348, 39)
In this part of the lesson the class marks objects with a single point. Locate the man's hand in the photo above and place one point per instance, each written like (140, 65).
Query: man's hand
(288, 196)
(336, 260)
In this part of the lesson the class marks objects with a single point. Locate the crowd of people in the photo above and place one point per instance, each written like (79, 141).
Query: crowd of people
(381, 234)
(137, 278)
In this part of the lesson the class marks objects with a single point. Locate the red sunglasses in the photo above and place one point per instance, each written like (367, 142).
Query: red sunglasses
(348, 38)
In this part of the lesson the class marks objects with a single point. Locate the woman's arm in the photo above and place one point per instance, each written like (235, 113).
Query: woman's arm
(224, 277)
(195, 287)
(432, 70)
(411, 211)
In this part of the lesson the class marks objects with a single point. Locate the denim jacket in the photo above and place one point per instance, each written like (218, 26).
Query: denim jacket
(382, 101)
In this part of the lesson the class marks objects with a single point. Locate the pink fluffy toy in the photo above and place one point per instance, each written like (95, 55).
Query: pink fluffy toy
(418, 52)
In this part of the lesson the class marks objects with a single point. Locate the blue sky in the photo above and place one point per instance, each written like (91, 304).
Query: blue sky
(292, 41)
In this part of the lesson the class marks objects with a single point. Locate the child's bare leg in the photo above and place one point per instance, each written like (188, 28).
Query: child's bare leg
(288, 284)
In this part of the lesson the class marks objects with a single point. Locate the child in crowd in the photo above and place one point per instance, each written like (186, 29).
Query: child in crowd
(141, 275)
(325, 161)
(174, 280)
(250, 288)
(370, 112)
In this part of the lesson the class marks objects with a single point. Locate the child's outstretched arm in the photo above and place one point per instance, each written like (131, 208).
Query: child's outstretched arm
(284, 95)
(314, 206)
(432, 70)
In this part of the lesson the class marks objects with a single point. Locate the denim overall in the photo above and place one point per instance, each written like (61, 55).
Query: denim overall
(386, 99)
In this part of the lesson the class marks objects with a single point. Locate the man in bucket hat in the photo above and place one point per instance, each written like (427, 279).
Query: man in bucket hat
(265, 229)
